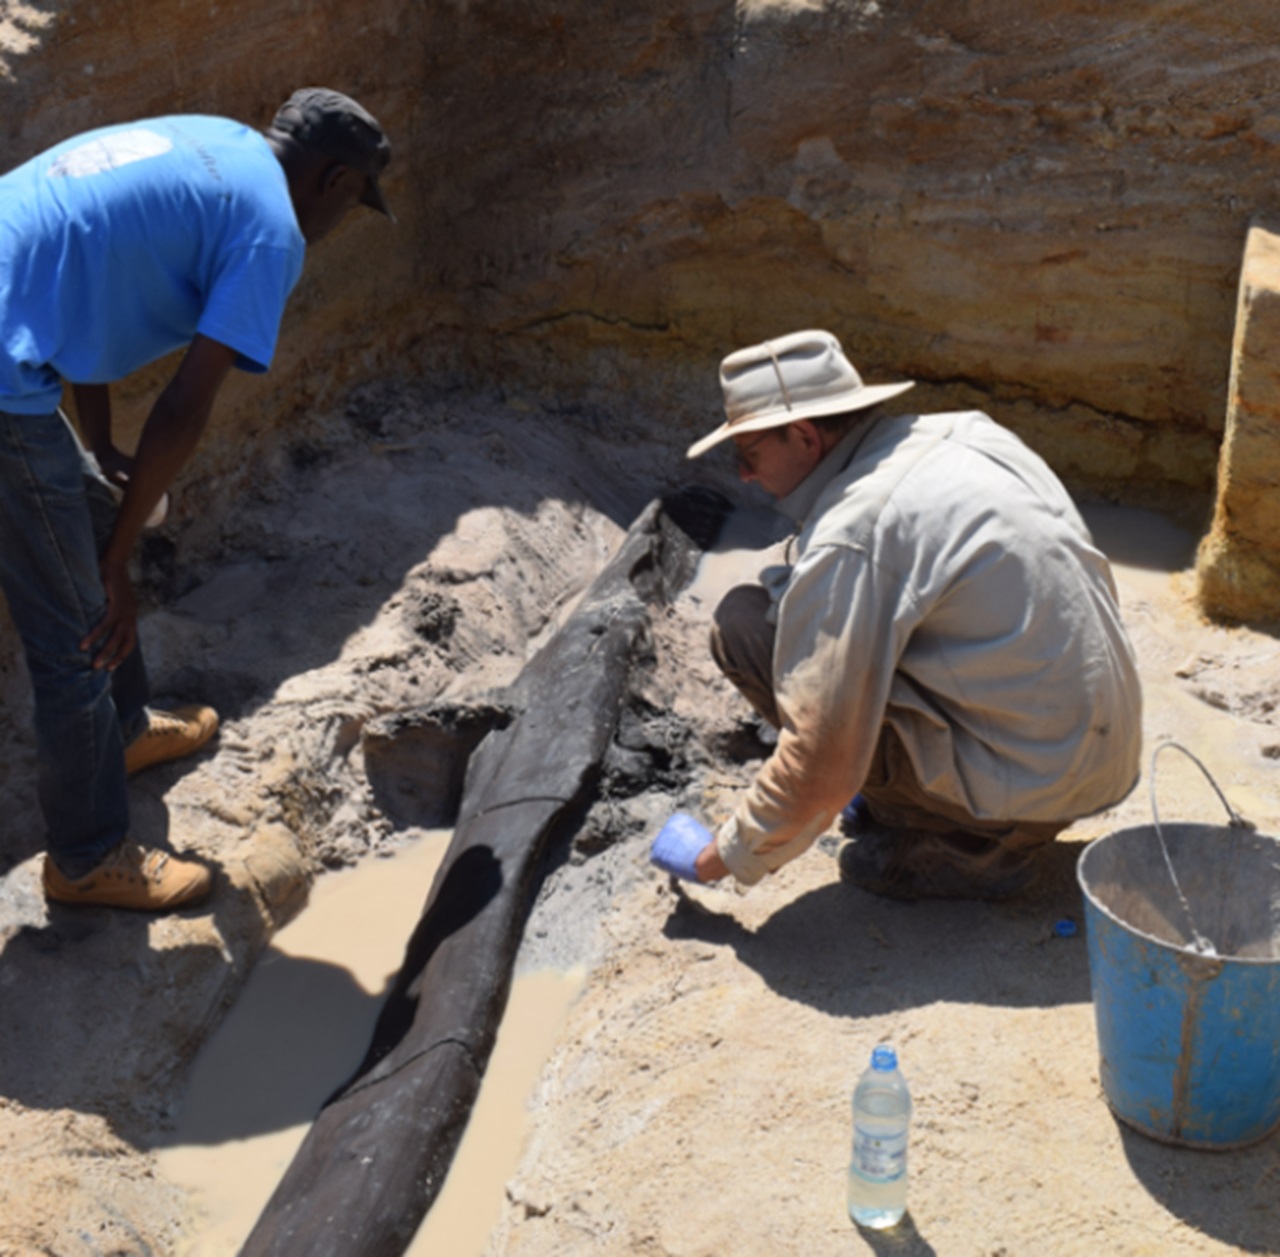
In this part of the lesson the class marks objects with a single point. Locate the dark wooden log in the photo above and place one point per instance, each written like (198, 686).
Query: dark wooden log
(378, 1152)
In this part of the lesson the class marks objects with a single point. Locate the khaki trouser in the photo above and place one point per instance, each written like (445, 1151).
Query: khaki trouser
(742, 646)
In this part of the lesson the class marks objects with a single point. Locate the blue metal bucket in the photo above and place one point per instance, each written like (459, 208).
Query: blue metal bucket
(1186, 979)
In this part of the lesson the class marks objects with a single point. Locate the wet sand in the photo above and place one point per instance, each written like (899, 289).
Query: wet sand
(300, 1028)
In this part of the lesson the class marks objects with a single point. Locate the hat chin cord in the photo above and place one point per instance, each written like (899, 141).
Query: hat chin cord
(777, 366)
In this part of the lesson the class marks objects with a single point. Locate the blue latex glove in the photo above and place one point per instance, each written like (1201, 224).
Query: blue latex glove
(678, 844)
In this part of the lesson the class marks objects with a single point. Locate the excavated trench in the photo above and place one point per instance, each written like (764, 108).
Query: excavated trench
(596, 203)
(363, 619)
(366, 622)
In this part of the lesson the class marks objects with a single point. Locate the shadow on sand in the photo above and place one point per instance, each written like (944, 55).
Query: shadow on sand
(1003, 953)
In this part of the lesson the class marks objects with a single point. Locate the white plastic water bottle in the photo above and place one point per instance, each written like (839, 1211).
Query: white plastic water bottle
(878, 1168)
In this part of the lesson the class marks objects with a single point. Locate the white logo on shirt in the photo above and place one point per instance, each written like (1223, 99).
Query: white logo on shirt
(120, 148)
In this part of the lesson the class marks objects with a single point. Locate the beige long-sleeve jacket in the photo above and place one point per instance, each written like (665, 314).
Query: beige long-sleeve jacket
(942, 582)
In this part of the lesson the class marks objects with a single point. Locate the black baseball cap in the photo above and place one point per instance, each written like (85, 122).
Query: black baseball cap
(337, 126)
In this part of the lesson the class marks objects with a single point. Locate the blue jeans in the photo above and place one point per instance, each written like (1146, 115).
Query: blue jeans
(56, 513)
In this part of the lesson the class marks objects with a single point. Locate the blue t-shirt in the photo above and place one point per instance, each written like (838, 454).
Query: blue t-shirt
(119, 245)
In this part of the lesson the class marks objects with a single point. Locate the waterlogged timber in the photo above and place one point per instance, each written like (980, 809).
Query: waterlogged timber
(378, 1153)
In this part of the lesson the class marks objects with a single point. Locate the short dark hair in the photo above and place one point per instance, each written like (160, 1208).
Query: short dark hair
(333, 125)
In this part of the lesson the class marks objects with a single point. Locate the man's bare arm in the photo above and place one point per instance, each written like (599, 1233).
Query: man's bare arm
(172, 431)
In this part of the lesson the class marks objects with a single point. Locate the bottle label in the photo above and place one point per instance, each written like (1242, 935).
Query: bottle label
(879, 1158)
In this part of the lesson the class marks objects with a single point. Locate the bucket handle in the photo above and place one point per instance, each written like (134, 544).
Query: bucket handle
(1235, 821)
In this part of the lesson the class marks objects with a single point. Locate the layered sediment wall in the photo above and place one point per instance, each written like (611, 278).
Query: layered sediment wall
(1041, 210)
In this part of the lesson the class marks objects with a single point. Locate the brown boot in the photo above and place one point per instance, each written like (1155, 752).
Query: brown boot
(132, 877)
(910, 864)
(170, 735)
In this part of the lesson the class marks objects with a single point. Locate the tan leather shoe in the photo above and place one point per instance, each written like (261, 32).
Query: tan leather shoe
(170, 735)
(132, 877)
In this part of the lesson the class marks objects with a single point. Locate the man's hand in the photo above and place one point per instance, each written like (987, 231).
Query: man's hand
(116, 634)
(677, 847)
(686, 849)
(116, 467)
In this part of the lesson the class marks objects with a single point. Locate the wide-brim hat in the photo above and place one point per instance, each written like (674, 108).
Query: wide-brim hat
(801, 376)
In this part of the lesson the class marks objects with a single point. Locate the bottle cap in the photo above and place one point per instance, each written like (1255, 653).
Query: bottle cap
(884, 1058)
(1066, 928)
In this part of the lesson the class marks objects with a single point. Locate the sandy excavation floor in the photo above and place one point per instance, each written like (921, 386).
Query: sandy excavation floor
(697, 1104)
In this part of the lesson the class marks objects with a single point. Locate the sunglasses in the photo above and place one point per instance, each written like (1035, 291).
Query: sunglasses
(746, 454)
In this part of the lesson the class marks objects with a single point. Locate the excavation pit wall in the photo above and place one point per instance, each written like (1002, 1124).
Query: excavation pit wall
(1238, 567)
(597, 201)
(1042, 218)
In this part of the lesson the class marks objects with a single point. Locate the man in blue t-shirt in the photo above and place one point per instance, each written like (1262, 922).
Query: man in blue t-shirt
(117, 247)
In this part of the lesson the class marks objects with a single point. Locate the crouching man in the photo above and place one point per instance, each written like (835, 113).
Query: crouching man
(945, 647)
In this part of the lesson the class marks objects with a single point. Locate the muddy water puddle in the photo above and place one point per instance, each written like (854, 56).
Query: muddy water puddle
(299, 1029)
